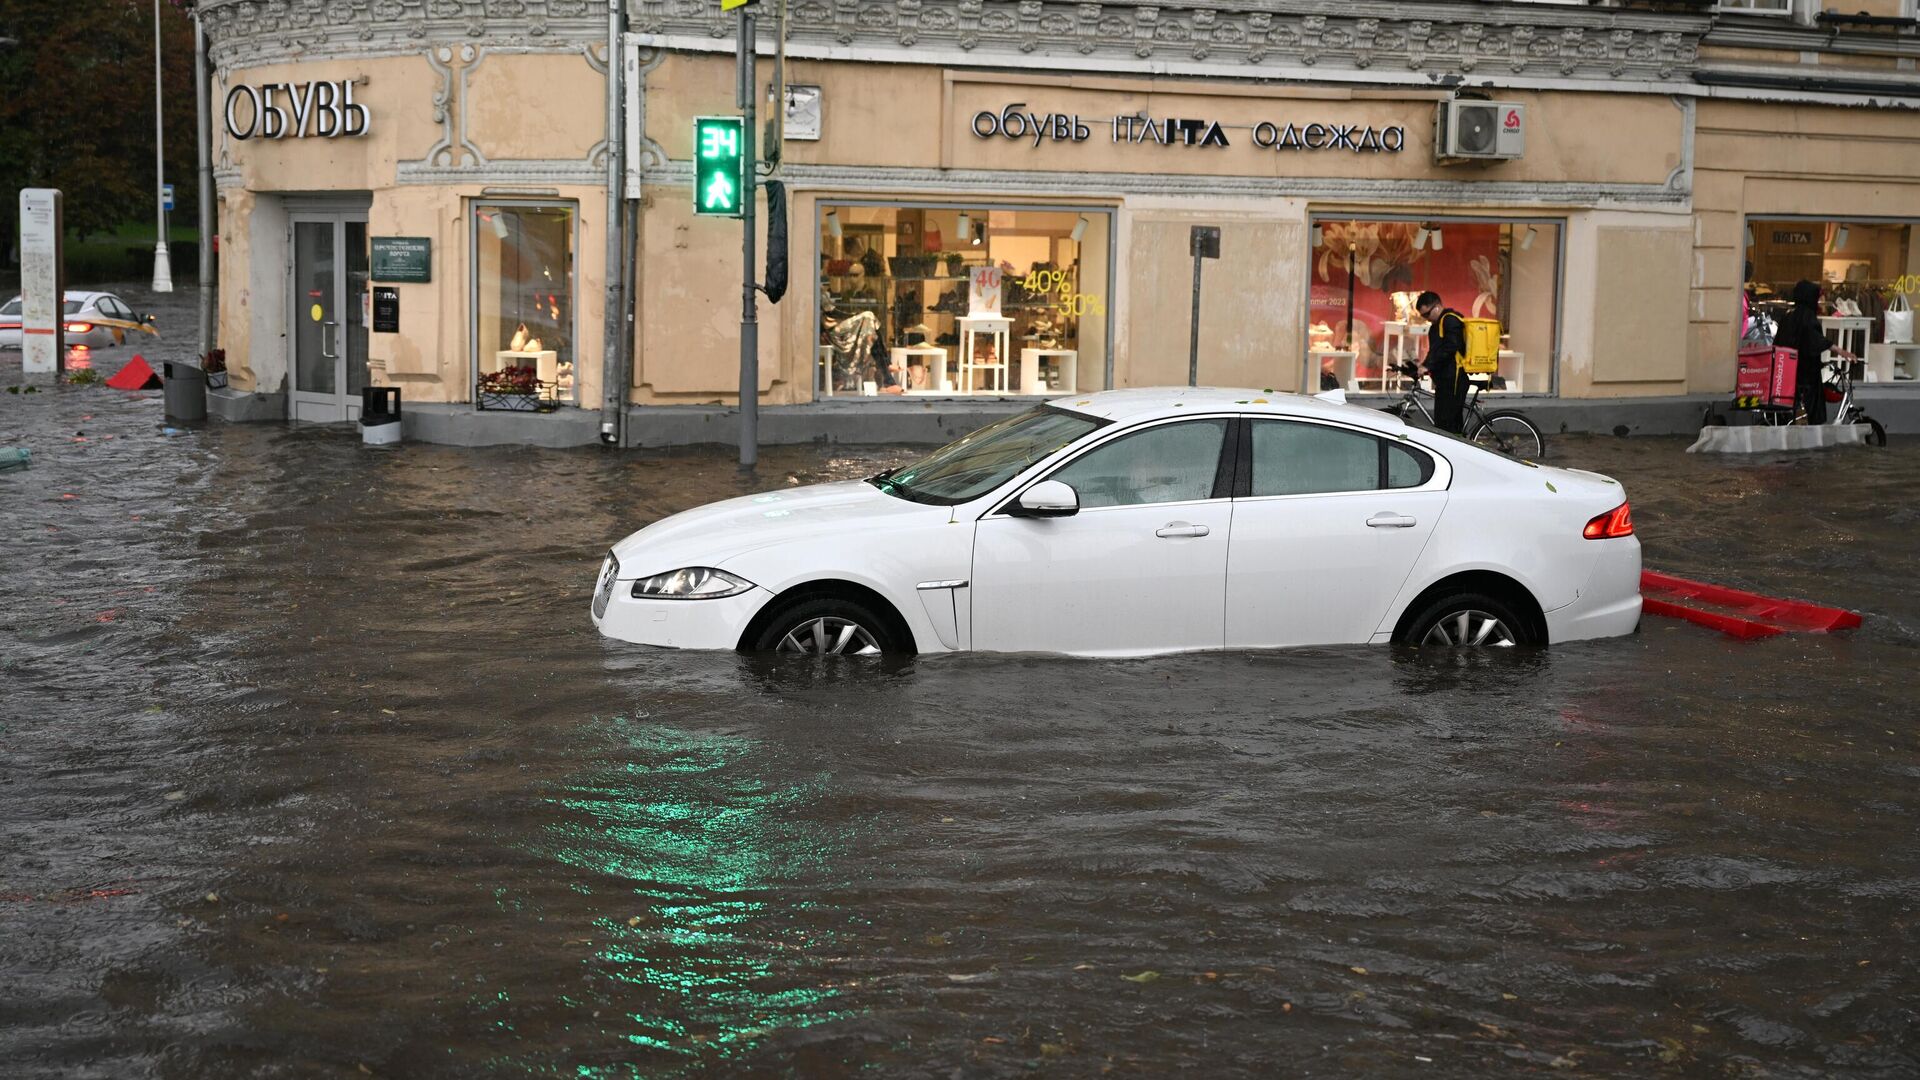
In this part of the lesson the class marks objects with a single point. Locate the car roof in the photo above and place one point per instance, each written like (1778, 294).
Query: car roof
(1153, 403)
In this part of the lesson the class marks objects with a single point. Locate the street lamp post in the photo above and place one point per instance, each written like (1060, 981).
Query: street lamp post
(162, 268)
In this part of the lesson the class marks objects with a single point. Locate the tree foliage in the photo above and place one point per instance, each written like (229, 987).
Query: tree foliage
(76, 109)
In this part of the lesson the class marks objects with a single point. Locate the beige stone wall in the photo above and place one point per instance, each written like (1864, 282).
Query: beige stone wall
(510, 107)
(1779, 161)
(1254, 299)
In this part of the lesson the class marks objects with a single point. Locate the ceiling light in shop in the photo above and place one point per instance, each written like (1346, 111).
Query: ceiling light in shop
(1420, 238)
(1526, 241)
(979, 233)
(1749, 236)
(1079, 229)
(1319, 235)
(499, 223)
(1439, 240)
(833, 224)
(1840, 238)
(966, 224)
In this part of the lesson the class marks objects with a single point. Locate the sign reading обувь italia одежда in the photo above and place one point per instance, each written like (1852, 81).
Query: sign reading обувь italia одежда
(1134, 128)
(403, 259)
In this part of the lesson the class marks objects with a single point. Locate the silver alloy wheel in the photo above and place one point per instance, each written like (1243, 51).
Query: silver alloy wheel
(1469, 627)
(829, 636)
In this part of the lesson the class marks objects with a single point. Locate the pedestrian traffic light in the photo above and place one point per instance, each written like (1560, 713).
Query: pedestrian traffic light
(719, 166)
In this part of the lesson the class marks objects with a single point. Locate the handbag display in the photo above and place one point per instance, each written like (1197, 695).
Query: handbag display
(1897, 322)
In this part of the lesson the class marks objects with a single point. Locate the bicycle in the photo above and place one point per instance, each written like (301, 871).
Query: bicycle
(1842, 409)
(1506, 431)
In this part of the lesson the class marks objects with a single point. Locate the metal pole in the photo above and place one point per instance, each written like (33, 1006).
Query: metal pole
(204, 136)
(162, 268)
(1193, 334)
(749, 325)
(613, 377)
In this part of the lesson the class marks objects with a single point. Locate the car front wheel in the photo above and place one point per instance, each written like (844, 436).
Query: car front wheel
(1469, 619)
(827, 627)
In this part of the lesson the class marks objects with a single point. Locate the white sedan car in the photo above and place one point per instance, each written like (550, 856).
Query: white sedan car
(1135, 522)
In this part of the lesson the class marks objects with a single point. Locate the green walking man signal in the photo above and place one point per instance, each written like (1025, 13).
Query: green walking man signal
(719, 170)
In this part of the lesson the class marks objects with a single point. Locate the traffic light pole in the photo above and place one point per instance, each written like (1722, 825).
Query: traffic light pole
(749, 318)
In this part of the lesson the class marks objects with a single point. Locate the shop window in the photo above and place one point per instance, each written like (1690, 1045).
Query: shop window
(523, 305)
(961, 300)
(1862, 267)
(1366, 274)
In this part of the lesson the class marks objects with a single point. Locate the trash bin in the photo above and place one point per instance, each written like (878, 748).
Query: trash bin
(185, 389)
(380, 415)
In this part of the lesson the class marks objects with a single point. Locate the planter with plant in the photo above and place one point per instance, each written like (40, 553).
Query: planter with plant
(513, 389)
(214, 363)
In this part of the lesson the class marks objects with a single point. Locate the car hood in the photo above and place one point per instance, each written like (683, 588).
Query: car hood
(710, 535)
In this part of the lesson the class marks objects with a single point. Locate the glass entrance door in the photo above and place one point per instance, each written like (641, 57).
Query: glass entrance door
(327, 310)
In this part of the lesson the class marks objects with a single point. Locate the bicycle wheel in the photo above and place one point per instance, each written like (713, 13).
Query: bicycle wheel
(1511, 433)
(1876, 434)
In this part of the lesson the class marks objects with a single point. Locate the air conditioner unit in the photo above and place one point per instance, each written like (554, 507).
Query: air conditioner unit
(1472, 130)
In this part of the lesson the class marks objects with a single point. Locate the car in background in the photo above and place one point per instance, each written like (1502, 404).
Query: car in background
(95, 320)
(1135, 522)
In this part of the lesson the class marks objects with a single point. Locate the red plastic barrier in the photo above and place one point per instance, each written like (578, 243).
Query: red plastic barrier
(137, 375)
(1747, 615)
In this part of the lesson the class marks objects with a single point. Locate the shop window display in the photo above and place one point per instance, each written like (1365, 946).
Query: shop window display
(905, 292)
(1365, 275)
(523, 269)
(1865, 269)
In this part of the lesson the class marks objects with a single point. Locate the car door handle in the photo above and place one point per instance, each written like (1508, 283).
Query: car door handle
(1176, 529)
(1391, 521)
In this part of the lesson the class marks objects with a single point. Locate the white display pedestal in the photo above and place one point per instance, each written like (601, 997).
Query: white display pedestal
(1067, 360)
(1893, 363)
(1513, 368)
(997, 330)
(933, 357)
(823, 360)
(1849, 332)
(545, 363)
(1342, 361)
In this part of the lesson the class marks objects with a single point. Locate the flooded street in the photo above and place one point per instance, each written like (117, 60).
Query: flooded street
(312, 764)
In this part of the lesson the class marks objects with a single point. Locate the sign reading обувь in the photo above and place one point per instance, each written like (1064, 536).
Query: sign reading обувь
(296, 110)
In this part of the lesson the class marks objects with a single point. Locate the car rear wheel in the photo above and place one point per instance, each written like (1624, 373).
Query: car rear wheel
(827, 627)
(1473, 620)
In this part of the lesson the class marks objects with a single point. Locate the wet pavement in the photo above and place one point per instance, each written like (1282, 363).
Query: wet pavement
(311, 764)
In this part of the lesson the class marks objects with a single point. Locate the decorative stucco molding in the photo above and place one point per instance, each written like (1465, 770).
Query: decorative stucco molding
(249, 33)
(1446, 41)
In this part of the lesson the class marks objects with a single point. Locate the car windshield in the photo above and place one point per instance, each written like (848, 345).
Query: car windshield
(984, 460)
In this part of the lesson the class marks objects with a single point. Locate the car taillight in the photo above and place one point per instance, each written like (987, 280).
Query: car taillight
(1614, 523)
(79, 328)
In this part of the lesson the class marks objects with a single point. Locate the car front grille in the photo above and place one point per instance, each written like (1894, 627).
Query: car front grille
(609, 573)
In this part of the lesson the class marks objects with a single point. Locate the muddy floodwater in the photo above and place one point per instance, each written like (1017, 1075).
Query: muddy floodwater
(311, 764)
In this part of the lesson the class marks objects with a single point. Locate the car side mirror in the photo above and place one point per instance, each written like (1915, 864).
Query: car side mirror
(1048, 498)
(148, 319)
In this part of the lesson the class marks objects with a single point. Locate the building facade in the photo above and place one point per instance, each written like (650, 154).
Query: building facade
(414, 193)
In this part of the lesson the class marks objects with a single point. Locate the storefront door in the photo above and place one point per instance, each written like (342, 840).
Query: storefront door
(327, 313)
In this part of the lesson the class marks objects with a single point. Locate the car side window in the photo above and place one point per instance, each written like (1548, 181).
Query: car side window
(1169, 463)
(1407, 467)
(1312, 459)
(12, 308)
(114, 308)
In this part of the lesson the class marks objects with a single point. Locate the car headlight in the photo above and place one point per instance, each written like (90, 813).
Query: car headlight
(691, 583)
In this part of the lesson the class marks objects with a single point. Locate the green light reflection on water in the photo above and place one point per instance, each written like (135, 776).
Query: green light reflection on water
(716, 860)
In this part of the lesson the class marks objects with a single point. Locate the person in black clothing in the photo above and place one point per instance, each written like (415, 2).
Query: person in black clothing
(1800, 330)
(1446, 348)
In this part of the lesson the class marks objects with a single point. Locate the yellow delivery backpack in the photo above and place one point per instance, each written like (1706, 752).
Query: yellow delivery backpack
(1483, 347)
